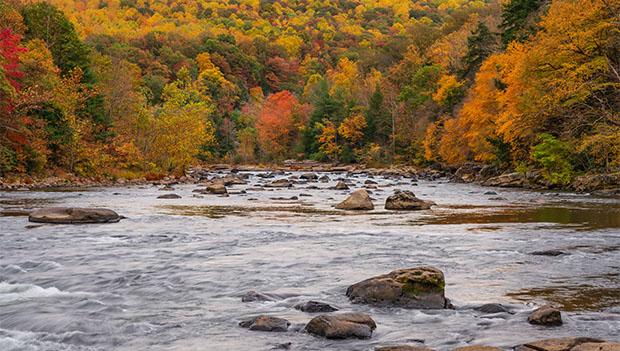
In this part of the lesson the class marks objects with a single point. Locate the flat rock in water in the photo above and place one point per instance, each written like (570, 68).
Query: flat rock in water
(280, 183)
(315, 307)
(560, 344)
(14, 213)
(342, 326)
(73, 215)
(419, 287)
(266, 323)
(406, 201)
(403, 348)
(546, 315)
(252, 296)
(169, 196)
(358, 200)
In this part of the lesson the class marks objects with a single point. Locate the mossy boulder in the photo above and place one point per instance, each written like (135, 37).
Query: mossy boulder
(419, 287)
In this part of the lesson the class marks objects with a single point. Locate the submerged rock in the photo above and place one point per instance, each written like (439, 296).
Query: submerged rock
(403, 348)
(169, 196)
(324, 179)
(358, 200)
(546, 315)
(406, 201)
(315, 307)
(342, 326)
(419, 287)
(548, 253)
(266, 323)
(564, 344)
(252, 296)
(491, 308)
(73, 215)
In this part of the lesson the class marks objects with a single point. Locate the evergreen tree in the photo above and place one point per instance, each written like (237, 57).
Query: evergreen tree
(516, 20)
(480, 44)
(378, 123)
(325, 107)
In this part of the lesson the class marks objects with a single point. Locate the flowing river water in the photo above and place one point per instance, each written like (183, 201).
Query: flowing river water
(170, 275)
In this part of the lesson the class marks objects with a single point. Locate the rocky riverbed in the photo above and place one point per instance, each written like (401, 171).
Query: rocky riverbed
(261, 260)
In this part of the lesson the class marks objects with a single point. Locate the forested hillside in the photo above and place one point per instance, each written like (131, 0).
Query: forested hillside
(129, 87)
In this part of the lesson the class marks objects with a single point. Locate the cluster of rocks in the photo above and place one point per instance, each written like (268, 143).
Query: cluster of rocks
(419, 287)
(405, 200)
(413, 288)
(597, 184)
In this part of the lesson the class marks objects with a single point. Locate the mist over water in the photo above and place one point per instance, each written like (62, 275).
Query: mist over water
(170, 276)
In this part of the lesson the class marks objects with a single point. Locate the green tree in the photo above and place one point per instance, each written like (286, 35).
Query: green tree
(480, 44)
(378, 119)
(517, 22)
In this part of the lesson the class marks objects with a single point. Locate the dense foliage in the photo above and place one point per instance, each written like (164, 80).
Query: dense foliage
(127, 87)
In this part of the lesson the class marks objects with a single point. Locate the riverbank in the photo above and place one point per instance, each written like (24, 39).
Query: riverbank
(607, 184)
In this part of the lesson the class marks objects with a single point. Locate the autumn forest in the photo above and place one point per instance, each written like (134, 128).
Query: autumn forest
(123, 88)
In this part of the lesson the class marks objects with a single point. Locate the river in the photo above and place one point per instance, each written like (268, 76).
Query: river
(170, 275)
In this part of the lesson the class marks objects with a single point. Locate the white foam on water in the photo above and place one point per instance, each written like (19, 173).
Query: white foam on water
(10, 293)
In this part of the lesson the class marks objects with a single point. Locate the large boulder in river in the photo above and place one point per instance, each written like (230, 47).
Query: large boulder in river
(546, 315)
(406, 201)
(73, 215)
(358, 200)
(419, 287)
(568, 344)
(216, 187)
(266, 323)
(342, 326)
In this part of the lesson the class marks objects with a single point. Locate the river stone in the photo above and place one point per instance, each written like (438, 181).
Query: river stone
(358, 200)
(557, 344)
(342, 326)
(315, 307)
(252, 296)
(216, 188)
(341, 186)
(73, 215)
(477, 348)
(490, 308)
(280, 183)
(266, 323)
(324, 179)
(403, 348)
(169, 196)
(406, 201)
(419, 287)
(546, 315)
(309, 176)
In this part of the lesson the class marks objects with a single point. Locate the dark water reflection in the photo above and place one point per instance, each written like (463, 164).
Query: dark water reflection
(584, 215)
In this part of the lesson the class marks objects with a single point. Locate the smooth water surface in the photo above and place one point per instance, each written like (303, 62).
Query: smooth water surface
(170, 275)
